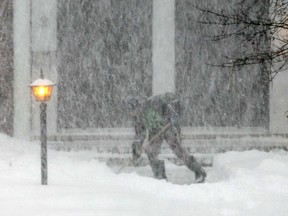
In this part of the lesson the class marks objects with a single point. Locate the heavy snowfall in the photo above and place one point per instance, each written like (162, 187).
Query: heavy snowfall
(98, 52)
(249, 183)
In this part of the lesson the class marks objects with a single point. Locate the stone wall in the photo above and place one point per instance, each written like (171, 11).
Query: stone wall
(105, 54)
(6, 67)
(215, 96)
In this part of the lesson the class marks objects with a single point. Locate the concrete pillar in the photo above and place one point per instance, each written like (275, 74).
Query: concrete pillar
(22, 69)
(279, 104)
(44, 46)
(278, 88)
(163, 46)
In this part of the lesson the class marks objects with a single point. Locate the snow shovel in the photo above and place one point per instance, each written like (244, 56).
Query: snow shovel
(144, 146)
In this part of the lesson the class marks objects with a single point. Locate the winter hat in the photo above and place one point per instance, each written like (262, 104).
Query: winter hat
(131, 102)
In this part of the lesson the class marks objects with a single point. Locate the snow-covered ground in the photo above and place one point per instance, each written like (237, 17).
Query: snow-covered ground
(239, 183)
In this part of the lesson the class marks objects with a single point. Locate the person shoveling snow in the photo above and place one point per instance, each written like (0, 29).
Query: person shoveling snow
(159, 117)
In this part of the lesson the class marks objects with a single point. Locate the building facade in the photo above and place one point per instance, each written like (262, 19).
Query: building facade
(98, 52)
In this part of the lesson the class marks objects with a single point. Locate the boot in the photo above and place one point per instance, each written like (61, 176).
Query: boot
(136, 152)
(158, 168)
(200, 173)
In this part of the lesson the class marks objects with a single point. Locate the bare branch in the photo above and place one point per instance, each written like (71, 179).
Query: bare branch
(260, 25)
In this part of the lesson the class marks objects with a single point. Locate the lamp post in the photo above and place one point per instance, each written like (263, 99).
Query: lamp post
(42, 90)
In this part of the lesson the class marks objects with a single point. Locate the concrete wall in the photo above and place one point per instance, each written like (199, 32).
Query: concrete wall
(35, 48)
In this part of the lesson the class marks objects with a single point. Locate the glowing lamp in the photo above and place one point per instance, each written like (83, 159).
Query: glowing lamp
(42, 89)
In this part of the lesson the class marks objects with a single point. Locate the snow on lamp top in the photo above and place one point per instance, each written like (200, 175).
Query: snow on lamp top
(42, 89)
(42, 82)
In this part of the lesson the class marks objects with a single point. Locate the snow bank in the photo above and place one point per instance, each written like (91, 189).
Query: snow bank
(239, 183)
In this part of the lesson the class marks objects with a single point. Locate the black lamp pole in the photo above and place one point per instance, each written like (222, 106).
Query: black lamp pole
(43, 126)
(42, 90)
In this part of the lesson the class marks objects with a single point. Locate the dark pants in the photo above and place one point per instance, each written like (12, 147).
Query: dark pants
(173, 138)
